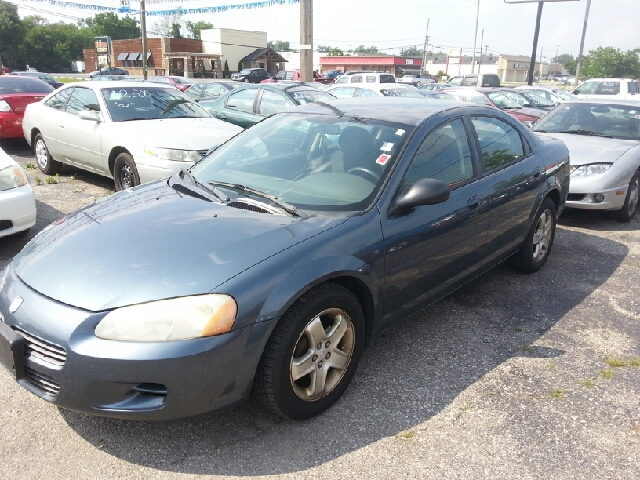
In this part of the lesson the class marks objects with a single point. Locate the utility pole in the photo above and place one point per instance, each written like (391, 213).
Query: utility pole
(541, 57)
(584, 34)
(480, 61)
(475, 39)
(532, 66)
(424, 50)
(143, 31)
(306, 40)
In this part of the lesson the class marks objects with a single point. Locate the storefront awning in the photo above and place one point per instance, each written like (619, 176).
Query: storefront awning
(134, 56)
(123, 56)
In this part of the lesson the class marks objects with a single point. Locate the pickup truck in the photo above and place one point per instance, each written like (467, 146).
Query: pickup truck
(616, 88)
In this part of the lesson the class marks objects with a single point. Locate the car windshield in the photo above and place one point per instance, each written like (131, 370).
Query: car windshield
(313, 162)
(619, 121)
(538, 101)
(147, 103)
(400, 92)
(15, 84)
(310, 96)
(565, 95)
(500, 100)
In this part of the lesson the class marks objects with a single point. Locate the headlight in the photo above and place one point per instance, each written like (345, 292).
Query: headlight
(182, 318)
(12, 177)
(593, 169)
(173, 155)
(4, 106)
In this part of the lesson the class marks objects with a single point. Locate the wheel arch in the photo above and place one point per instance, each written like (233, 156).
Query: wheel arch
(34, 132)
(115, 151)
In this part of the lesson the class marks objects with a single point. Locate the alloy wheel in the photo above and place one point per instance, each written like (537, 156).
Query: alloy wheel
(42, 156)
(542, 236)
(126, 177)
(633, 196)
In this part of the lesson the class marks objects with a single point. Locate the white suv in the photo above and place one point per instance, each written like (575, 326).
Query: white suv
(618, 88)
(373, 77)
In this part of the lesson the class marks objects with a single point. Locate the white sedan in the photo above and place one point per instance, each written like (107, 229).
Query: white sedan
(374, 90)
(128, 131)
(603, 137)
(17, 201)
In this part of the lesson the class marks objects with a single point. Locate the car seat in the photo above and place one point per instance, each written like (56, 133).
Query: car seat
(356, 150)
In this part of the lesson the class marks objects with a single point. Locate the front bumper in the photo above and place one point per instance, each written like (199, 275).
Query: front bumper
(67, 365)
(17, 210)
(611, 184)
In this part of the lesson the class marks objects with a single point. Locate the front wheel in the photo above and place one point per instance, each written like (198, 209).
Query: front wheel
(628, 210)
(536, 247)
(45, 161)
(312, 354)
(125, 173)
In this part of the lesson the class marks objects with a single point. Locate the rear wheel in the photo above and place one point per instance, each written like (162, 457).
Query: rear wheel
(45, 162)
(536, 247)
(628, 210)
(125, 173)
(312, 354)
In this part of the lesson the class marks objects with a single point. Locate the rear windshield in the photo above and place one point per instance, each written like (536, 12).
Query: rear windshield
(23, 85)
(490, 81)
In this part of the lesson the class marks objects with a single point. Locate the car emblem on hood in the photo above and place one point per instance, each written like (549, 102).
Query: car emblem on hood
(15, 305)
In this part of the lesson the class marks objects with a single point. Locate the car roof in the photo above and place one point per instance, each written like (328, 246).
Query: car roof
(606, 101)
(409, 111)
(609, 80)
(118, 84)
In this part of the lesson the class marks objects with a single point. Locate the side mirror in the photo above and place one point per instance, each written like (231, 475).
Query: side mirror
(427, 191)
(575, 92)
(90, 115)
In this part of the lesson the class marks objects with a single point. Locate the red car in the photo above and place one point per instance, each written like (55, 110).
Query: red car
(496, 98)
(294, 76)
(15, 94)
(181, 83)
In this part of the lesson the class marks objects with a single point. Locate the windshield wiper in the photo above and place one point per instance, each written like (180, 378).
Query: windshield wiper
(291, 209)
(137, 118)
(580, 131)
(216, 191)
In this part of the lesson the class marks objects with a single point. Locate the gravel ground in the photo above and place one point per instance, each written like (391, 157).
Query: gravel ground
(513, 376)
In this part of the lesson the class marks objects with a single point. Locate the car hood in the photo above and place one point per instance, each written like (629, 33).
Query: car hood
(182, 133)
(160, 240)
(584, 149)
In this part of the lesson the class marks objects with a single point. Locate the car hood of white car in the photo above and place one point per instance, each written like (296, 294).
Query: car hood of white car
(584, 149)
(181, 133)
(6, 160)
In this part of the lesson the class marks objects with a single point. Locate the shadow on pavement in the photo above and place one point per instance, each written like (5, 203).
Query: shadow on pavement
(407, 376)
(601, 221)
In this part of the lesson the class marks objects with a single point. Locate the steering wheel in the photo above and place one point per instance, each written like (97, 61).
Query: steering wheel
(370, 173)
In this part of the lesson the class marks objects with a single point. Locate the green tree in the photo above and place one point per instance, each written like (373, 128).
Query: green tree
(11, 36)
(611, 62)
(362, 50)
(563, 58)
(111, 25)
(175, 30)
(279, 46)
(412, 51)
(194, 29)
(226, 73)
(50, 47)
(570, 65)
(330, 51)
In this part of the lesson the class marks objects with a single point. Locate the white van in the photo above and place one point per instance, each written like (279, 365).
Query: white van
(366, 77)
(618, 88)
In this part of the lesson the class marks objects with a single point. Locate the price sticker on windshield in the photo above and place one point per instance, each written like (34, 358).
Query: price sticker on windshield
(383, 159)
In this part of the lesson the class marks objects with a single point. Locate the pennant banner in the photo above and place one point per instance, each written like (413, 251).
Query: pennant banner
(126, 8)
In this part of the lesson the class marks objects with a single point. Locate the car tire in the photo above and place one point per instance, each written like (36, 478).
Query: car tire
(45, 161)
(125, 173)
(628, 210)
(537, 245)
(312, 353)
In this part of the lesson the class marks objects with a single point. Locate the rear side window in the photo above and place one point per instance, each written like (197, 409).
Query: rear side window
(444, 155)
(371, 79)
(356, 79)
(587, 88)
(608, 88)
(633, 87)
(387, 79)
(59, 100)
(16, 84)
(469, 81)
(272, 103)
(500, 142)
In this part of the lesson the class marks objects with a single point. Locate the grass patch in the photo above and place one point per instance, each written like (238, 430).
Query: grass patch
(557, 393)
(407, 435)
(607, 373)
(518, 329)
(526, 348)
(615, 363)
(587, 383)
(634, 362)
(69, 80)
(38, 181)
(30, 166)
(51, 180)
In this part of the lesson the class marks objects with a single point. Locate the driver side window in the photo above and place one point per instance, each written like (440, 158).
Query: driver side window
(243, 100)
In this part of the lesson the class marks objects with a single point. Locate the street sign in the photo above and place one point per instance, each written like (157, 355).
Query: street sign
(103, 45)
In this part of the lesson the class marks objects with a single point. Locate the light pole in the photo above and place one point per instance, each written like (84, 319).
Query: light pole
(555, 62)
(475, 39)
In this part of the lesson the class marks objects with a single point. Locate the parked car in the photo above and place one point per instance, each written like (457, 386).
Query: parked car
(181, 83)
(130, 131)
(109, 71)
(528, 99)
(366, 77)
(112, 78)
(210, 90)
(45, 77)
(483, 80)
(496, 98)
(276, 261)
(418, 79)
(15, 94)
(333, 74)
(295, 76)
(555, 95)
(374, 90)
(248, 106)
(618, 88)
(433, 87)
(17, 201)
(603, 136)
(250, 75)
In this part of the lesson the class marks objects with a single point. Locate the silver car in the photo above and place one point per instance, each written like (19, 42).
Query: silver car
(603, 137)
(128, 131)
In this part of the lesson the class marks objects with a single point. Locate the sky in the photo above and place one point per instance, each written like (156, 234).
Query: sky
(393, 24)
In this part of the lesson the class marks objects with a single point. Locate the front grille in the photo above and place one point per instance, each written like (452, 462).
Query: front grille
(39, 348)
(248, 206)
(42, 382)
(576, 197)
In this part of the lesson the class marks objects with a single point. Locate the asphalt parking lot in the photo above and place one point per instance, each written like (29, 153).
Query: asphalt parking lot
(513, 376)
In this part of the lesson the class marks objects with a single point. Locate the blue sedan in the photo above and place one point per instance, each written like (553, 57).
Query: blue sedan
(272, 264)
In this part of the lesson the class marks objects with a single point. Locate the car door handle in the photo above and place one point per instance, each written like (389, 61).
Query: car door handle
(222, 116)
(61, 126)
(535, 174)
(474, 202)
